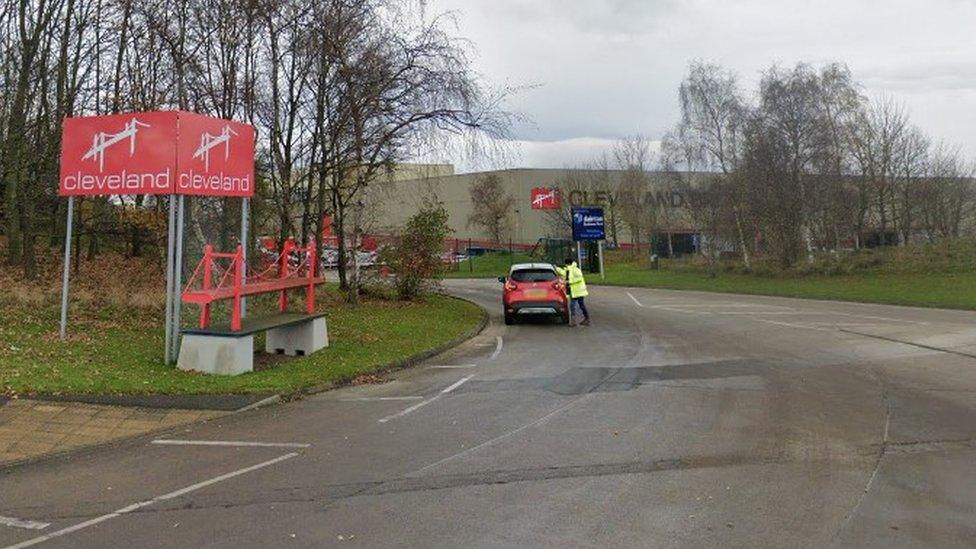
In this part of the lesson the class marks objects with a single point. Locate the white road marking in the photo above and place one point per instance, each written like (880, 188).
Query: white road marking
(452, 366)
(732, 305)
(456, 384)
(879, 318)
(677, 310)
(148, 502)
(790, 325)
(634, 299)
(498, 348)
(406, 411)
(787, 313)
(502, 436)
(173, 442)
(420, 405)
(378, 399)
(829, 323)
(21, 523)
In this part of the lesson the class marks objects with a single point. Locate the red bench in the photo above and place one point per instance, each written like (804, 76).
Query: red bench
(233, 284)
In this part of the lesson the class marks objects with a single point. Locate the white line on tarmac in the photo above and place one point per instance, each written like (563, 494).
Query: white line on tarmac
(802, 326)
(173, 442)
(760, 313)
(676, 310)
(378, 399)
(406, 411)
(489, 442)
(452, 366)
(21, 523)
(456, 384)
(634, 299)
(146, 503)
(879, 318)
(420, 405)
(498, 348)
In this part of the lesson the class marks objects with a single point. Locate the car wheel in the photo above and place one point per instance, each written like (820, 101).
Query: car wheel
(509, 319)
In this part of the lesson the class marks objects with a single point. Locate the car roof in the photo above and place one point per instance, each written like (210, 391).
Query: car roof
(526, 266)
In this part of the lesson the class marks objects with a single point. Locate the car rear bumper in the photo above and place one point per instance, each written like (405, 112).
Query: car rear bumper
(536, 308)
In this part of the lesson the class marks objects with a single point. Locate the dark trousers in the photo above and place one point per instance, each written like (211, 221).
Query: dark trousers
(581, 305)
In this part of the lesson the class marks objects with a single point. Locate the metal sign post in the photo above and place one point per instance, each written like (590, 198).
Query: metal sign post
(599, 249)
(67, 268)
(177, 278)
(244, 247)
(170, 291)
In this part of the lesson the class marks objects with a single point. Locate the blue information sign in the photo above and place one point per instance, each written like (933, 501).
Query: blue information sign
(588, 224)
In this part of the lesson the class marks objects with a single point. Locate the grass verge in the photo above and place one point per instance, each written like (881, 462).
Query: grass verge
(954, 290)
(488, 265)
(118, 350)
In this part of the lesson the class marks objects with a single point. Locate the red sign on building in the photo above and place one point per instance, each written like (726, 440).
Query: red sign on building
(156, 153)
(545, 198)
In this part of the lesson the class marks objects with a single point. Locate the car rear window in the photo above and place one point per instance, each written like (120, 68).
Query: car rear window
(533, 275)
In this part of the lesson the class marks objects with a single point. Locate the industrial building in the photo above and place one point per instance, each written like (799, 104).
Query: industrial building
(541, 199)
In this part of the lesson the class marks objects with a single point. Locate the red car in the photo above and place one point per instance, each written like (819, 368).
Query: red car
(533, 289)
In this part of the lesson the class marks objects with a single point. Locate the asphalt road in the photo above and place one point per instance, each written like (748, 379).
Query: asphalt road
(678, 419)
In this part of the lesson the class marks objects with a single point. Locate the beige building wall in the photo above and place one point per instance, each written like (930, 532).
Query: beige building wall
(577, 188)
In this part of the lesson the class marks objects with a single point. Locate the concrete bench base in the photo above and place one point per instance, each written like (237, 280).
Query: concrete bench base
(213, 354)
(298, 339)
(221, 351)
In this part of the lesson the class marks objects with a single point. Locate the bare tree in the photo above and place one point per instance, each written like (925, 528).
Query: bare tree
(713, 118)
(491, 208)
(633, 157)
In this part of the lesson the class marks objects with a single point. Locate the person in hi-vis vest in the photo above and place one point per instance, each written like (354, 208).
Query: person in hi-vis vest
(575, 289)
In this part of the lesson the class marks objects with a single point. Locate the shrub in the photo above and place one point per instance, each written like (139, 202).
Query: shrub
(415, 257)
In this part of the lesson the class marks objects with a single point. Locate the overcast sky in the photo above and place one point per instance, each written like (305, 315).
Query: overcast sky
(609, 68)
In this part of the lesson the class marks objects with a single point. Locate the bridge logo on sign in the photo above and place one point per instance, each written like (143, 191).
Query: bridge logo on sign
(545, 198)
(101, 141)
(208, 142)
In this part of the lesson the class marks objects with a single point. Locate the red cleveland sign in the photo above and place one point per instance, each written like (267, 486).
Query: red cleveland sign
(545, 198)
(156, 153)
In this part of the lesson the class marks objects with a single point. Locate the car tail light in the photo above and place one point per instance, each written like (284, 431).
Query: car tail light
(510, 285)
(558, 285)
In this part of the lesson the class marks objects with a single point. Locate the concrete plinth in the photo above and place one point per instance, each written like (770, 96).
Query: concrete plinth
(298, 339)
(216, 354)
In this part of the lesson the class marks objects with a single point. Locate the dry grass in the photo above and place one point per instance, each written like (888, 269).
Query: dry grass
(109, 278)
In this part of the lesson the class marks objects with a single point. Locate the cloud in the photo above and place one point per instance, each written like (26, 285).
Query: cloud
(610, 68)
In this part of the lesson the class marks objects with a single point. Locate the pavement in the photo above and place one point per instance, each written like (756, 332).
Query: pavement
(677, 419)
(32, 429)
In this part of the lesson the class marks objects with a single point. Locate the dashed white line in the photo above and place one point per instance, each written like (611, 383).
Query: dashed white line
(498, 348)
(146, 503)
(406, 411)
(885, 318)
(241, 443)
(456, 384)
(420, 405)
(378, 399)
(677, 310)
(634, 299)
(787, 324)
(502, 436)
(21, 523)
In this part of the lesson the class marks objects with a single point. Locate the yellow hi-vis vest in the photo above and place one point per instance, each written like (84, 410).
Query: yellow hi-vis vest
(574, 280)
